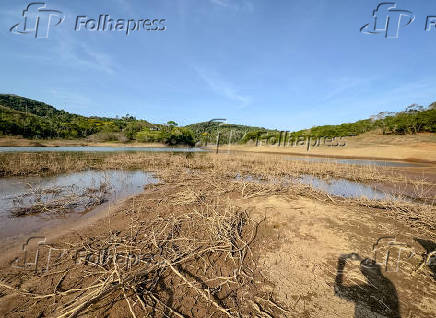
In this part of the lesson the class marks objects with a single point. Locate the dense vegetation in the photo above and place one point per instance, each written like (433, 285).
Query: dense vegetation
(30, 118)
(34, 119)
(414, 119)
(207, 132)
(169, 134)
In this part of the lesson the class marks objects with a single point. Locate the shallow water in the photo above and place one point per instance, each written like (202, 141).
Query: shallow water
(360, 162)
(98, 149)
(344, 188)
(337, 187)
(19, 192)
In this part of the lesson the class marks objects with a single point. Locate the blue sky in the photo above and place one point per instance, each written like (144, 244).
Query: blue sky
(285, 64)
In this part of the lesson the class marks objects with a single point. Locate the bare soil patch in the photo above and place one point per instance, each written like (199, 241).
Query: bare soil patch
(213, 245)
(412, 148)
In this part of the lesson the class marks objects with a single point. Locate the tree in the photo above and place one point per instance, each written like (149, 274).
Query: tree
(414, 108)
(133, 128)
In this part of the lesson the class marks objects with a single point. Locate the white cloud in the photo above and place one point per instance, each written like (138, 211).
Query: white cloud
(223, 3)
(126, 6)
(234, 4)
(223, 87)
(69, 100)
(81, 54)
(344, 85)
(67, 48)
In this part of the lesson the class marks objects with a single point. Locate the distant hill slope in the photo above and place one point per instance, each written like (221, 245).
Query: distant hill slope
(414, 119)
(209, 131)
(31, 118)
(35, 119)
(34, 107)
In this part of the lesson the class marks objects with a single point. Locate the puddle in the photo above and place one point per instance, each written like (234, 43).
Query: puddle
(344, 188)
(359, 162)
(61, 199)
(337, 187)
(99, 149)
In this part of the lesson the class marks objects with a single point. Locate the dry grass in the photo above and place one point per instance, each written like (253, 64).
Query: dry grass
(20, 164)
(196, 261)
(39, 164)
(261, 166)
(199, 248)
(59, 200)
(420, 148)
(17, 141)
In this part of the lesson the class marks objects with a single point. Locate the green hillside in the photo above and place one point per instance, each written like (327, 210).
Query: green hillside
(208, 131)
(414, 119)
(34, 119)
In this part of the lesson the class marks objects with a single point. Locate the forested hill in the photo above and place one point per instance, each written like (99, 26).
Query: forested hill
(208, 131)
(34, 119)
(37, 108)
(31, 118)
(414, 119)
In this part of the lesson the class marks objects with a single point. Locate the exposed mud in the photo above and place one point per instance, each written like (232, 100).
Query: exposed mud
(214, 246)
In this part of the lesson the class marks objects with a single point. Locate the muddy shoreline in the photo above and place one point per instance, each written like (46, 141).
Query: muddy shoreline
(200, 206)
(332, 156)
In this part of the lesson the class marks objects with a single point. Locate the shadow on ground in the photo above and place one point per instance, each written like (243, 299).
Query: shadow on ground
(376, 295)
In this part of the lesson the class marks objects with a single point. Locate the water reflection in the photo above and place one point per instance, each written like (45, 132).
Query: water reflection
(36, 197)
(344, 188)
(337, 187)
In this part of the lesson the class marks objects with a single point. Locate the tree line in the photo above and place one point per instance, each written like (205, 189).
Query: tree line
(414, 119)
(35, 119)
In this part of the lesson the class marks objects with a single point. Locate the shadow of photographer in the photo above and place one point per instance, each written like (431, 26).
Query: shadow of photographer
(376, 297)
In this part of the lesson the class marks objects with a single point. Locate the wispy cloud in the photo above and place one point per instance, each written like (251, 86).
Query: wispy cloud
(344, 85)
(78, 55)
(67, 49)
(234, 4)
(88, 57)
(82, 54)
(75, 50)
(70, 100)
(126, 6)
(223, 87)
(222, 3)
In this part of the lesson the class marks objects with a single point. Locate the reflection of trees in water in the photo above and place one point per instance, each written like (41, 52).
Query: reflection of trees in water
(377, 297)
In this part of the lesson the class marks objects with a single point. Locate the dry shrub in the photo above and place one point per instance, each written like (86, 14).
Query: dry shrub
(259, 165)
(59, 200)
(193, 264)
(35, 164)
(195, 246)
